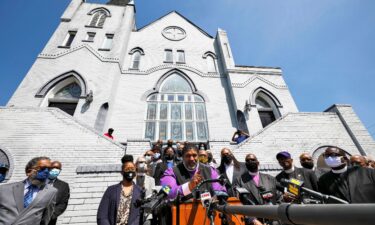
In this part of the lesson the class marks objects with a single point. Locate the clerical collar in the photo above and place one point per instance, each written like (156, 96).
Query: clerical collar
(291, 170)
(340, 170)
(254, 174)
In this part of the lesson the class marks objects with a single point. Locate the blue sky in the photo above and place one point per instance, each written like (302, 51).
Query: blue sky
(325, 48)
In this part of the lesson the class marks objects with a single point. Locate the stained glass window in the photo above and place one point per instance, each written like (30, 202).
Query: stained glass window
(175, 84)
(71, 91)
(176, 113)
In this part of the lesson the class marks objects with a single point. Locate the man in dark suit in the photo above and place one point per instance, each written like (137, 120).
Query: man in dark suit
(262, 187)
(63, 191)
(230, 168)
(290, 171)
(355, 184)
(30, 201)
(118, 202)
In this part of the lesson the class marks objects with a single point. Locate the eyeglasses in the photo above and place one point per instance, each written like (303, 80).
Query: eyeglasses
(42, 168)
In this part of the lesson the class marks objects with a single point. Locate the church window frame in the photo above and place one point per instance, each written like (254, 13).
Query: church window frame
(69, 38)
(107, 42)
(98, 17)
(267, 108)
(136, 58)
(90, 37)
(211, 63)
(176, 112)
(180, 56)
(63, 96)
(168, 55)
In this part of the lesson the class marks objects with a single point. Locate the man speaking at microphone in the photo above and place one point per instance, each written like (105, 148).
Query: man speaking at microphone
(185, 176)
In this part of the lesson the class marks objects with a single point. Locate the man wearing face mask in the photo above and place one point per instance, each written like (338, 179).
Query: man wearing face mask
(156, 158)
(168, 162)
(63, 191)
(142, 179)
(117, 206)
(30, 201)
(306, 161)
(230, 168)
(178, 156)
(3, 171)
(355, 184)
(185, 176)
(262, 187)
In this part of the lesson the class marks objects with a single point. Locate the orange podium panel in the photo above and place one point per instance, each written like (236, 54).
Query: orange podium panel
(193, 213)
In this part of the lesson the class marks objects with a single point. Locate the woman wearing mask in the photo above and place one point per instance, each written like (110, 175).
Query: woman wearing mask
(168, 162)
(117, 206)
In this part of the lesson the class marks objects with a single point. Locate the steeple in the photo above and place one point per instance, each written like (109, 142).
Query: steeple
(118, 2)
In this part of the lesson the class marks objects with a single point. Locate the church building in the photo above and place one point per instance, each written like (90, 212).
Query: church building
(167, 80)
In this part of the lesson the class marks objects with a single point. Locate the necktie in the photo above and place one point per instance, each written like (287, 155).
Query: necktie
(28, 196)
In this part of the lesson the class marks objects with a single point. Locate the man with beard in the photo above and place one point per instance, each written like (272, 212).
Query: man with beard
(290, 171)
(230, 168)
(355, 184)
(117, 206)
(262, 187)
(185, 176)
(30, 201)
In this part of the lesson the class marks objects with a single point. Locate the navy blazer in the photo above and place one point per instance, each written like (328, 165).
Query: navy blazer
(107, 212)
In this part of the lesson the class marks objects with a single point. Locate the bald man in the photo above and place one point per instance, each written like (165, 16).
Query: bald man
(358, 160)
(306, 161)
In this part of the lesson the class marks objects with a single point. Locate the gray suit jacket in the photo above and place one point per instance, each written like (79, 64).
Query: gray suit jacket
(12, 211)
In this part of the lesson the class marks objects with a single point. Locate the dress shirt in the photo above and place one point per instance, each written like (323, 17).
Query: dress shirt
(229, 171)
(27, 185)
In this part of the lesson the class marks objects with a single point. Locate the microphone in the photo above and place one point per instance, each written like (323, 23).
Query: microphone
(206, 198)
(243, 195)
(295, 187)
(154, 201)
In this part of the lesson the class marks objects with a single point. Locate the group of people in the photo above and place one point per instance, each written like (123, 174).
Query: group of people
(42, 197)
(183, 166)
(39, 199)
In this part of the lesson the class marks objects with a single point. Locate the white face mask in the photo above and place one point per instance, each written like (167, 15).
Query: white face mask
(334, 161)
(148, 158)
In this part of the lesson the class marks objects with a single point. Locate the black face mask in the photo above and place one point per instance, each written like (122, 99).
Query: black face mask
(128, 175)
(252, 166)
(227, 159)
(307, 165)
(169, 157)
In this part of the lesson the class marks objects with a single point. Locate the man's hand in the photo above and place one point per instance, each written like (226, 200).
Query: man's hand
(195, 180)
(288, 197)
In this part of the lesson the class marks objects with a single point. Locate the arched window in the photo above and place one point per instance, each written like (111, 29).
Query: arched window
(98, 18)
(267, 109)
(101, 117)
(175, 112)
(65, 95)
(136, 59)
(5, 161)
(211, 64)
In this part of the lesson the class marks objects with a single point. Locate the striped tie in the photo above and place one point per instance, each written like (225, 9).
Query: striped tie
(28, 196)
